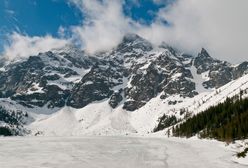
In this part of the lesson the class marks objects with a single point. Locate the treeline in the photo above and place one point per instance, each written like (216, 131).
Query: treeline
(4, 131)
(227, 121)
(8, 116)
(165, 122)
(12, 121)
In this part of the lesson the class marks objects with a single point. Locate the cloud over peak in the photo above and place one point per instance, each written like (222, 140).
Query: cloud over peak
(104, 24)
(220, 26)
(23, 45)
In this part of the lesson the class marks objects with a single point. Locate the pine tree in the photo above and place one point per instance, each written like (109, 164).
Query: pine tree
(227, 121)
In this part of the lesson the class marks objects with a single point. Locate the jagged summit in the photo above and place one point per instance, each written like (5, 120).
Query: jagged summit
(204, 53)
(68, 48)
(133, 42)
(130, 37)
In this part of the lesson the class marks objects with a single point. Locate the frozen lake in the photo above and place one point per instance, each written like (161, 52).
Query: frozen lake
(112, 152)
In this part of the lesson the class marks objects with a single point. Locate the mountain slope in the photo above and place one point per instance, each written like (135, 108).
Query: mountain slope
(124, 90)
(226, 121)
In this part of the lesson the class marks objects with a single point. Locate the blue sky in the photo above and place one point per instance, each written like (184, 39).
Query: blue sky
(144, 12)
(36, 17)
(41, 17)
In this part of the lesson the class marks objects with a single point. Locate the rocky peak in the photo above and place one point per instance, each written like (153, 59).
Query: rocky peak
(132, 38)
(168, 47)
(219, 72)
(240, 70)
(204, 53)
(132, 42)
(68, 48)
(203, 61)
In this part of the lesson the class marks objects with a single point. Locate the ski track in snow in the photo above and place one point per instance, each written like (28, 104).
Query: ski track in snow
(112, 152)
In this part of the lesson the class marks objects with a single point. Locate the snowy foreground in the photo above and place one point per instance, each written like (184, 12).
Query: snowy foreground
(112, 152)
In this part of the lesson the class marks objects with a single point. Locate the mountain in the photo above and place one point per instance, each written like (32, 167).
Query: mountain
(124, 90)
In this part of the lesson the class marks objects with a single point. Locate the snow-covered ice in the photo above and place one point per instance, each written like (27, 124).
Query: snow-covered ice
(112, 152)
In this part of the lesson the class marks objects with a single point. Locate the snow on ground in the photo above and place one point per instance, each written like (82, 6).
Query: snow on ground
(198, 80)
(58, 124)
(95, 119)
(241, 160)
(112, 152)
(239, 146)
(208, 153)
(98, 118)
(156, 107)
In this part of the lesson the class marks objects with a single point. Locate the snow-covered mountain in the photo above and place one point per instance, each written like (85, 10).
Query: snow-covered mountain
(126, 90)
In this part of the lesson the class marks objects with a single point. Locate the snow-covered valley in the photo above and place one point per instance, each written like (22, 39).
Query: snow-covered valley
(112, 152)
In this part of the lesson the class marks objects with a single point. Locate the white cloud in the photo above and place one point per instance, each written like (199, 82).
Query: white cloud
(24, 46)
(219, 26)
(104, 24)
(62, 31)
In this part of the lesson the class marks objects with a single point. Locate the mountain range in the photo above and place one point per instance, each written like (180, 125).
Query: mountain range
(126, 90)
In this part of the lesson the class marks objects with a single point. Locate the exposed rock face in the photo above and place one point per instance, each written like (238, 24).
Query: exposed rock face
(144, 87)
(203, 62)
(133, 43)
(116, 98)
(240, 70)
(45, 79)
(131, 74)
(53, 96)
(219, 72)
(93, 87)
(2, 62)
(20, 76)
(97, 84)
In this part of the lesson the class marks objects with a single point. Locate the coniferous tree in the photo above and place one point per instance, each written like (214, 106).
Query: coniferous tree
(226, 121)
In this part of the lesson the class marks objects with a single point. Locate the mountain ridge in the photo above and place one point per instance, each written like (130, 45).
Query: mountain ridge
(128, 78)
